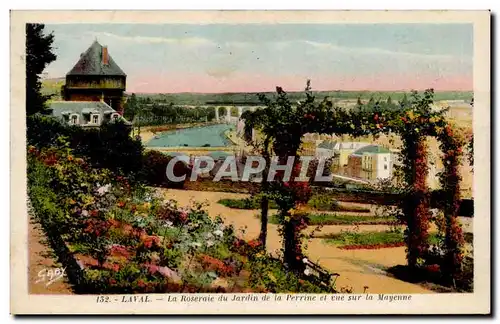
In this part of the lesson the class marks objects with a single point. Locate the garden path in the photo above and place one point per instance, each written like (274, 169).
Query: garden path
(357, 268)
(40, 257)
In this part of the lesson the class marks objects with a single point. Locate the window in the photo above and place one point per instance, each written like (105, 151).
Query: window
(95, 119)
(114, 116)
(385, 166)
(73, 119)
(385, 159)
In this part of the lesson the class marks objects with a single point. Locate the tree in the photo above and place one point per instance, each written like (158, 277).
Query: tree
(131, 107)
(404, 102)
(286, 123)
(38, 55)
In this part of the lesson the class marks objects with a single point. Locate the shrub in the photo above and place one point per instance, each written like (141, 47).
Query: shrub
(246, 203)
(313, 168)
(323, 202)
(128, 240)
(154, 167)
(109, 146)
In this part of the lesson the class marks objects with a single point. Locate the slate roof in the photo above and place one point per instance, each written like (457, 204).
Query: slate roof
(373, 149)
(90, 63)
(326, 144)
(62, 108)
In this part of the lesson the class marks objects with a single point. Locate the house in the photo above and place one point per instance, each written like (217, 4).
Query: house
(84, 113)
(326, 149)
(347, 148)
(339, 151)
(372, 162)
(96, 77)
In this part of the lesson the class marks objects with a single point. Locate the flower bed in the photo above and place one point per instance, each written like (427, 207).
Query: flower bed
(115, 237)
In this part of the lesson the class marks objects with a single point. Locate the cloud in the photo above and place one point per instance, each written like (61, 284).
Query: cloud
(319, 47)
(190, 41)
(323, 47)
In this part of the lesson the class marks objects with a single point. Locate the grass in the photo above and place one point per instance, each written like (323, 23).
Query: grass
(340, 219)
(365, 238)
(318, 202)
(376, 239)
(247, 203)
(325, 203)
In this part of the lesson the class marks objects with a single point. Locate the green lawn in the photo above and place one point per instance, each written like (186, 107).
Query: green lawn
(364, 238)
(246, 203)
(340, 219)
(319, 202)
(376, 238)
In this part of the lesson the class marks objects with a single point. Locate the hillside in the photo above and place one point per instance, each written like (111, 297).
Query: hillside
(53, 87)
(252, 98)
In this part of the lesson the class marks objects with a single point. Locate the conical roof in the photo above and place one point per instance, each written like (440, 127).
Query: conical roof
(91, 63)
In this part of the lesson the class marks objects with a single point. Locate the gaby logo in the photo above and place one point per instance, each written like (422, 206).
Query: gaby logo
(252, 170)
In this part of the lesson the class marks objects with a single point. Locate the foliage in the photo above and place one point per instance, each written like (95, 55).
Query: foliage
(321, 202)
(342, 219)
(39, 54)
(348, 239)
(245, 203)
(131, 107)
(130, 240)
(317, 201)
(251, 99)
(313, 169)
(451, 144)
(285, 123)
(109, 146)
(154, 167)
(158, 113)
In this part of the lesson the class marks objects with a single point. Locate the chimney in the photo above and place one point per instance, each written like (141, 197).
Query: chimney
(105, 56)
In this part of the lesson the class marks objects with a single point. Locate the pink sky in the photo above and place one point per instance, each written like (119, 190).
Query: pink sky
(239, 82)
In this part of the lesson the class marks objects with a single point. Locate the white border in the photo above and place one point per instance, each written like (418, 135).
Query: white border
(452, 301)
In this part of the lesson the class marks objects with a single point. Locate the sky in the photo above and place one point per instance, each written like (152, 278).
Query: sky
(213, 58)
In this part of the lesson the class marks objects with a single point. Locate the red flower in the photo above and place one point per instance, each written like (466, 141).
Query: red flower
(433, 268)
(112, 281)
(141, 283)
(254, 243)
(151, 241)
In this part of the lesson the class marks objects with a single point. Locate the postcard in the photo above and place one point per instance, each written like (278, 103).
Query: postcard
(250, 162)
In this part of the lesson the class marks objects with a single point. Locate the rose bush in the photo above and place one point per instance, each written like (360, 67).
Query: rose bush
(128, 239)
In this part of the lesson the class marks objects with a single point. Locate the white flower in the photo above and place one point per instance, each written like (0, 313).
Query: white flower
(434, 212)
(195, 244)
(168, 224)
(103, 189)
(85, 213)
(219, 233)
(209, 236)
(304, 260)
(307, 272)
(210, 243)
